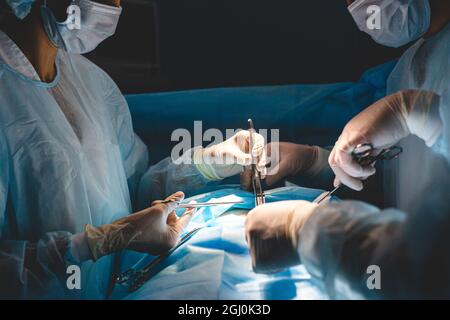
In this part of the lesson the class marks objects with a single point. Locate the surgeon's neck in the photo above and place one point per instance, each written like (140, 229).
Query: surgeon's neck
(31, 38)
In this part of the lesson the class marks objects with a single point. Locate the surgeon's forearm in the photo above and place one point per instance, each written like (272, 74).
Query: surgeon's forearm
(169, 176)
(420, 110)
(80, 248)
(340, 241)
(34, 270)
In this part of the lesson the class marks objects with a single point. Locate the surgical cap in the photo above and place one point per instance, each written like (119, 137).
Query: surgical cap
(20, 8)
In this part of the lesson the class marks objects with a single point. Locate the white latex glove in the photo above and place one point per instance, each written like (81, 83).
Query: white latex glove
(384, 124)
(228, 158)
(154, 230)
(272, 231)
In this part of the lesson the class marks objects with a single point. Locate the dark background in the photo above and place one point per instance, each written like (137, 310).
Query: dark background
(166, 45)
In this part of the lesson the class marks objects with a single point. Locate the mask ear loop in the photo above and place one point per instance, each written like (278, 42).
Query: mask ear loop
(50, 23)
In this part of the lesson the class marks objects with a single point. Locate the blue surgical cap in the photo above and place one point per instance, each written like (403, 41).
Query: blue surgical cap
(21, 8)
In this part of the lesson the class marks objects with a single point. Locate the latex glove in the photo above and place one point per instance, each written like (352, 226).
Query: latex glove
(287, 160)
(154, 230)
(384, 124)
(272, 232)
(290, 159)
(228, 158)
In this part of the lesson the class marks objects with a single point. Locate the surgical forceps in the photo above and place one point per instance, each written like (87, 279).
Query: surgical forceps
(363, 154)
(260, 197)
(201, 204)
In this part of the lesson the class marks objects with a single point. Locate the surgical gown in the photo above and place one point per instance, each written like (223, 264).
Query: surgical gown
(410, 245)
(68, 157)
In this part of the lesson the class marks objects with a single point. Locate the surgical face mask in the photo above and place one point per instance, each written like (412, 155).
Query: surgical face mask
(392, 23)
(88, 24)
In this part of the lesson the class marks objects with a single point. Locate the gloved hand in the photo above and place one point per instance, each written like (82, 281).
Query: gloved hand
(290, 159)
(287, 160)
(154, 230)
(272, 232)
(228, 158)
(384, 124)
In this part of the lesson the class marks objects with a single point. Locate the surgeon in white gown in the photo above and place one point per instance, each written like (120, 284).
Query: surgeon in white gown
(71, 168)
(406, 249)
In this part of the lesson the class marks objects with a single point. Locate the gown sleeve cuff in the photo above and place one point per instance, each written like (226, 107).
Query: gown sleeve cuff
(78, 249)
(206, 170)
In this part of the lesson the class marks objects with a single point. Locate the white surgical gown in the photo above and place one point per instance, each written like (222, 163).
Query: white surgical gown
(68, 157)
(410, 245)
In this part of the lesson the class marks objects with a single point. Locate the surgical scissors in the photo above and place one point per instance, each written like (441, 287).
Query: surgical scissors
(363, 154)
(260, 197)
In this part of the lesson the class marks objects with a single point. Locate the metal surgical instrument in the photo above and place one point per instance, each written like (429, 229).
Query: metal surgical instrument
(363, 154)
(260, 197)
(201, 204)
(134, 279)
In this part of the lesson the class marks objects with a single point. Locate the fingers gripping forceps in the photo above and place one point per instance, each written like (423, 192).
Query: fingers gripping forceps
(363, 154)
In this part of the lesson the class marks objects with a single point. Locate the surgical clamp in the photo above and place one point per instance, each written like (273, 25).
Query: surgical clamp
(134, 279)
(260, 197)
(363, 154)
